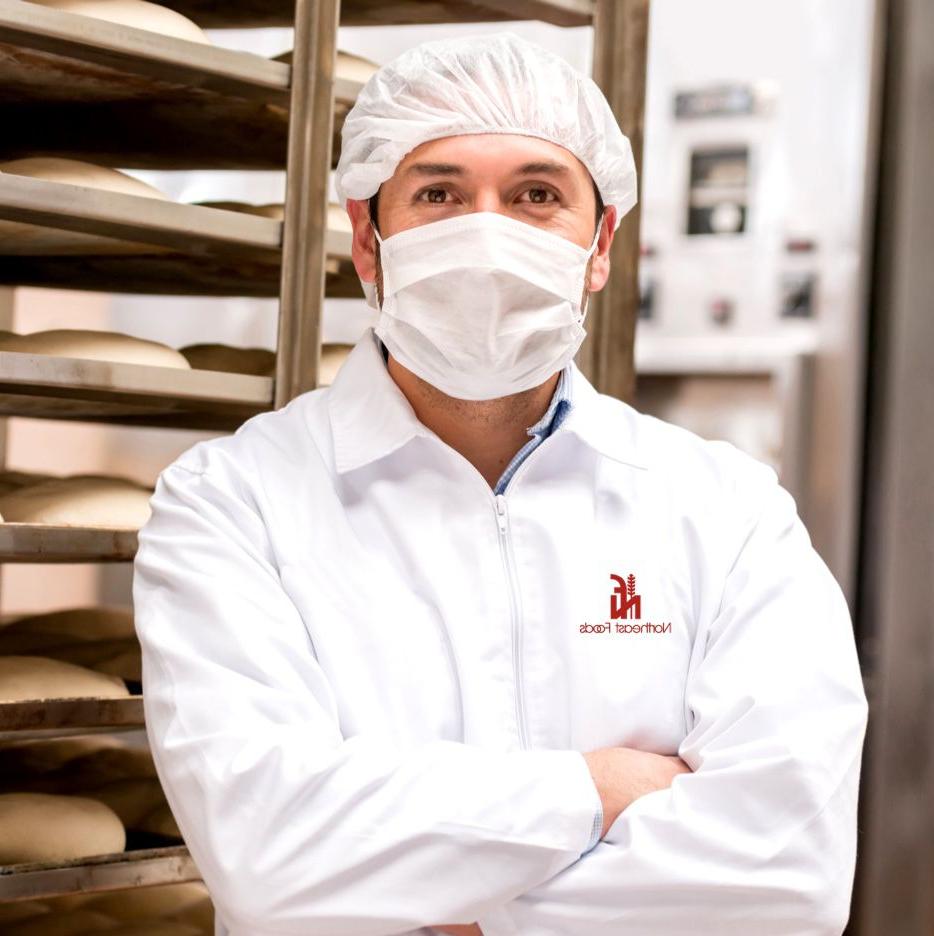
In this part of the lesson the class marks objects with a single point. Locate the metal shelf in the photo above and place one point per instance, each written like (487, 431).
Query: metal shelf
(50, 387)
(160, 62)
(138, 868)
(46, 717)
(85, 88)
(149, 222)
(149, 245)
(208, 14)
(41, 543)
(166, 274)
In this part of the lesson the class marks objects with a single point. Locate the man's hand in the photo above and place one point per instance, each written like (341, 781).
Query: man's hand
(622, 775)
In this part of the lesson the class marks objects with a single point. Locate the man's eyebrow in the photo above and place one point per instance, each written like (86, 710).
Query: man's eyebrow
(432, 168)
(543, 167)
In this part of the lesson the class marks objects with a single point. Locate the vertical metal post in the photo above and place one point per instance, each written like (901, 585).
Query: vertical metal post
(301, 294)
(621, 30)
(895, 625)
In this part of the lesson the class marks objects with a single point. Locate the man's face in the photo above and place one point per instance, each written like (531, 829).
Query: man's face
(523, 177)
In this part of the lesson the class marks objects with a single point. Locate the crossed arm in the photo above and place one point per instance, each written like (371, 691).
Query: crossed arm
(621, 775)
(297, 830)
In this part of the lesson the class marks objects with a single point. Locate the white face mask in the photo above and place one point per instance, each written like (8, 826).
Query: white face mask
(481, 305)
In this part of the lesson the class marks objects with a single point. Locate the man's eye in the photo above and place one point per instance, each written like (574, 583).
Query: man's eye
(540, 196)
(436, 195)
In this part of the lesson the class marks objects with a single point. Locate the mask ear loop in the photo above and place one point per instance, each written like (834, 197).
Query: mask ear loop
(371, 287)
(590, 253)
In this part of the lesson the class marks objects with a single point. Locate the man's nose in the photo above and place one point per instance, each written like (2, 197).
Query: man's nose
(489, 200)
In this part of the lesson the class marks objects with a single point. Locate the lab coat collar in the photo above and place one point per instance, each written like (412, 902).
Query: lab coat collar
(371, 417)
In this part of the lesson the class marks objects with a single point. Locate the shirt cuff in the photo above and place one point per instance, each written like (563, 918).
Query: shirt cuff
(498, 921)
(597, 828)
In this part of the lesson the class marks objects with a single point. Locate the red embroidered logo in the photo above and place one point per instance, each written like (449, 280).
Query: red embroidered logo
(624, 602)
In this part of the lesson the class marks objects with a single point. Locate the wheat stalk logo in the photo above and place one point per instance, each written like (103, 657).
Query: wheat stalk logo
(631, 585)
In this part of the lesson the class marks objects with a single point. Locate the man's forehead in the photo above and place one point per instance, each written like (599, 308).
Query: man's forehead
(509, 154)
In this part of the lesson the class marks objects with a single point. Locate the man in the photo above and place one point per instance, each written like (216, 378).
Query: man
(461, 645)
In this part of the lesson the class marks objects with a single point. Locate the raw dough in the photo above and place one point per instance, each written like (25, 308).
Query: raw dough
(120, 762)
(260, 362)
(38, 756)
(143, 903)
(25, 678)
(347, 66)
(137, 13)
(79, 635)
(70, 923)
(43, 827)
(156, 928)
(200, 914)
(95, 345)
(68, 625)
(24, 239)
(80, 500)
(78, 172)
(122, 776)
(11, 480)
(131, 799)
(121, 658)
(160, 822)
(19, 910)
(269, 210)
(338, 219)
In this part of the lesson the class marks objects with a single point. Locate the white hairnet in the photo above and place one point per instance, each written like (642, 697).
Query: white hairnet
(495, 83)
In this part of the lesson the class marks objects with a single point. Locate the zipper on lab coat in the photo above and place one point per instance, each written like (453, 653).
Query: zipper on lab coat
(502, 520)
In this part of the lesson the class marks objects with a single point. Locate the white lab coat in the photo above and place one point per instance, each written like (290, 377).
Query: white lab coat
(368, 681)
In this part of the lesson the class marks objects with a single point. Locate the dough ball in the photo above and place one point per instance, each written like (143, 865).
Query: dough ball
(121, 658)
(78, 172)
(199, 915)
(80, 500)
(22, 238)
(160, 822)
(137, 13)
(38, 756)
(72, 624)
(260, 362)
(43, 827)
(338, 219)
(120, 762)
(93, 345)
(347, 66)
(131, 800)
(19, 910)
(156, 928)
(68, 923)
(25, 678)
(85, 774)
(272, 210)
(332, 357)
(12, 480)
(142, 903)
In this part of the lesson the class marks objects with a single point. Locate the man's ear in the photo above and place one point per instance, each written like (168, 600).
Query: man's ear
(600, 262)
(363, 247)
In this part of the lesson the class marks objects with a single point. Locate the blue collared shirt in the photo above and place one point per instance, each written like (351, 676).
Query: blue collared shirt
(558, 409)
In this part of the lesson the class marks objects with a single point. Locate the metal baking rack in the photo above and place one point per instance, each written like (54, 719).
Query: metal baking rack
(87, 89)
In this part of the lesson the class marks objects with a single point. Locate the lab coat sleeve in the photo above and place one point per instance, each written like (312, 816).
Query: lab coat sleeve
(761, 837)
(295, 828)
